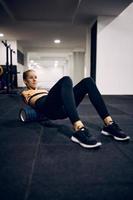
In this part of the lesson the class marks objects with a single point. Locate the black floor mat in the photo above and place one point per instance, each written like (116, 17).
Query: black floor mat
(38, 161)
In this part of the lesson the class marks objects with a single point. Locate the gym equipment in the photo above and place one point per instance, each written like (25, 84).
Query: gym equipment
(12, 78)
(1, 70)
(10, 73)
(13, 71)
(7, 66)
(28, 114)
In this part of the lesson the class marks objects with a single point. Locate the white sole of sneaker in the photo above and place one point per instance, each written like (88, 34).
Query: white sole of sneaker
(98, 144)
(116, 138)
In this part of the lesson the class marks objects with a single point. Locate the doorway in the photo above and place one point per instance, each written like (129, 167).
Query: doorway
(93, 50)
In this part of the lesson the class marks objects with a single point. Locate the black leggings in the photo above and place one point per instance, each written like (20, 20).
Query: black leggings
(63, 98)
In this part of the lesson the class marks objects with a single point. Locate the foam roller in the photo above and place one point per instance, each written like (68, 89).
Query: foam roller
(28, 114)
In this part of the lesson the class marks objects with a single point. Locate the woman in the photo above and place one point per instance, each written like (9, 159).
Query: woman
(61, 102)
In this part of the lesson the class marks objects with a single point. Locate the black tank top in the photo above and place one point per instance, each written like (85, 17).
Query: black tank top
(35, 95)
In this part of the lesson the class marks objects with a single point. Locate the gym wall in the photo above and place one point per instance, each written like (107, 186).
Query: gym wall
(114, 53)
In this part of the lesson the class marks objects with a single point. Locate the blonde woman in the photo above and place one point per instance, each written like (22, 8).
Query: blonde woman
(62, 101)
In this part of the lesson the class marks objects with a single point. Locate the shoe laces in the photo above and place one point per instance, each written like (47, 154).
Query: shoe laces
(85, 132)
(116, 126)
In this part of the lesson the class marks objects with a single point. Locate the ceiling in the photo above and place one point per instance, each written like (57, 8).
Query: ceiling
(36, 23)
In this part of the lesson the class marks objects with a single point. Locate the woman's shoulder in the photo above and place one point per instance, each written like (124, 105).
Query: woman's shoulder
(26, 92)
(42, 90)
(31, 91)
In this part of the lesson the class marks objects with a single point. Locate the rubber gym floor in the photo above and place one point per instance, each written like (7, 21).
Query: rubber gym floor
(38, 161)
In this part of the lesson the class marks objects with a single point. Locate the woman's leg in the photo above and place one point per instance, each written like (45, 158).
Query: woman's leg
(88, 86)
(60, 102)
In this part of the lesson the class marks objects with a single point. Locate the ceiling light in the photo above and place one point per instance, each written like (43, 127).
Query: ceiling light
(1, 35)
(57, 41)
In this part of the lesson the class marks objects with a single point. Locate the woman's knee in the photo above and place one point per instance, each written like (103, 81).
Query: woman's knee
(66, 80)
(88, 80)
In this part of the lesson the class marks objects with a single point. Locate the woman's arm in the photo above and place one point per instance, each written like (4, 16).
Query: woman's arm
(25, 96)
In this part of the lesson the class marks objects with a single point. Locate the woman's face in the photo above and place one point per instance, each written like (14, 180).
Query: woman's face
(31, 80)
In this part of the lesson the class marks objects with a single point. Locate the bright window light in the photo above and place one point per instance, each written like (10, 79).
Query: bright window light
(1, 35)
(38, 66)
(31, 61)
(56, 63)
(57, 41)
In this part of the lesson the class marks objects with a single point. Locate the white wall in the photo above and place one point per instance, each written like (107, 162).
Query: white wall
(114, 73)
(78, 66)
(50, 70)
(87, 53)
(69, 64)
(20, 70)
(47, 77)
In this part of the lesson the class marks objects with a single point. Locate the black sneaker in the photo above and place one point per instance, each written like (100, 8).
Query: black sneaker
(115, 131)
(84, 138)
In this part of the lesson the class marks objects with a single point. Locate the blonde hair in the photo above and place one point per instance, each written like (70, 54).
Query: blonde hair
(25, 74)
